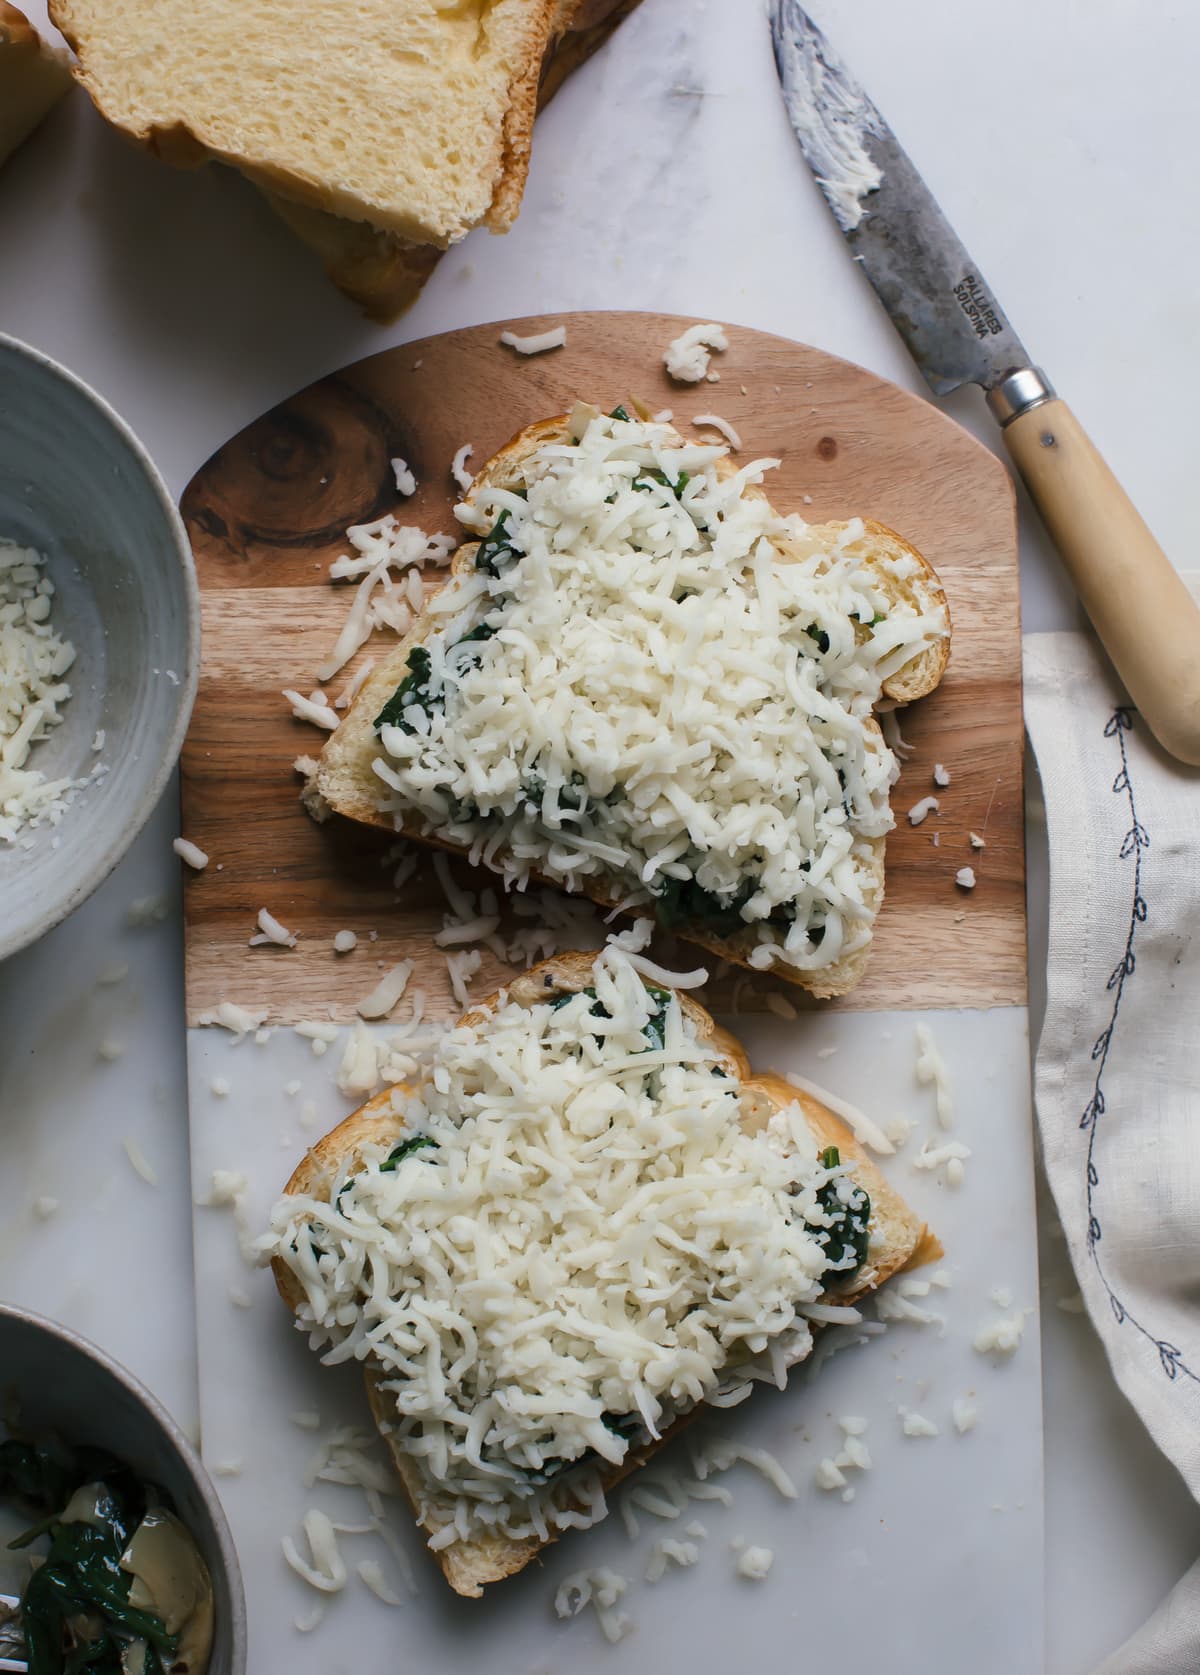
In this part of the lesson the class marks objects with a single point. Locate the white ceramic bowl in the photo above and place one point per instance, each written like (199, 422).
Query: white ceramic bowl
(61, 1383)
(76, 484)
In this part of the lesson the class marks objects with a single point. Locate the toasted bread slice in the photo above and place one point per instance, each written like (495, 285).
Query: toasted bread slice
(383, 272)
(347, 780)
(898, 1238)
(412, 116)
(33, 78)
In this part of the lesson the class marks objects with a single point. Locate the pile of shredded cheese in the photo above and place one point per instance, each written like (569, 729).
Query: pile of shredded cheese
(583, 1243)
(637, 692)
(33, 661)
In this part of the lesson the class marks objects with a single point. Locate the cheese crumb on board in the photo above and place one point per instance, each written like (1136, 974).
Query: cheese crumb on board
(387, 993)
(370, 1573)
(687, 357)
(965, 878)
(926, 806)
(1002, 1336)
(45, 1207)
(271, 931)
(325, 1569)
(139, 1162)
(941, 775)
(977, 842)
(916, 1424)
(190, 854)
(110, 1049)
(601, 1589)
(537, 343)
(829, 1475)
(714, 421)
(314, 708)
(754, 1563)
(669, 1552)
(964, 1414)
(344, 942)
(406, 483)
(307, 1621)
(458, 467)
(931, 1071)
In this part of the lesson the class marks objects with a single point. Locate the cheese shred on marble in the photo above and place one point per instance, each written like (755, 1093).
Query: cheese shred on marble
(651, 683)
(574, 1242)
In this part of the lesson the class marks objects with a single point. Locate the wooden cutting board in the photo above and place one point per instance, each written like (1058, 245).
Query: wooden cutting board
(268, 513)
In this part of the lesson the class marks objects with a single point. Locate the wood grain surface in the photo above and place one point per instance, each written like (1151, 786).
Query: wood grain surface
(268, 513)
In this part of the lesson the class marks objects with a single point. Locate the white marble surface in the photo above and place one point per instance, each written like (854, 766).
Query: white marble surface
(1060, 140)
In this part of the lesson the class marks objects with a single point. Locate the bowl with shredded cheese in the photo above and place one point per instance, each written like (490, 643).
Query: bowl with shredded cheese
(83, 1443)
(99, 641)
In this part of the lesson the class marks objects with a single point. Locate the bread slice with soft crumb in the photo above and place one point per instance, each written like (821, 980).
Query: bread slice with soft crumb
(34, 76)
(411, 115)
(347, 780)
(898, 1238)
(383, 272)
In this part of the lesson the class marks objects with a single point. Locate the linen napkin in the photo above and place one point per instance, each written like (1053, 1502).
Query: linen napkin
(1117, 1076)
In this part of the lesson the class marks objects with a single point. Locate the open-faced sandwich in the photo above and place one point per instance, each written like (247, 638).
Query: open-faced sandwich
(589, 1220)
(644, 684)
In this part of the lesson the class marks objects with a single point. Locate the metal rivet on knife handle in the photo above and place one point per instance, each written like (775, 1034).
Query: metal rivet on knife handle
(957, 333)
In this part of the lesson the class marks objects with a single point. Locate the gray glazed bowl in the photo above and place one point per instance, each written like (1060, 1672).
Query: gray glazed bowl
(76, 484)
(65, 1384)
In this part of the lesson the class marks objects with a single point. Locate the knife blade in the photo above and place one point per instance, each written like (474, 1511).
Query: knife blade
(957, 333)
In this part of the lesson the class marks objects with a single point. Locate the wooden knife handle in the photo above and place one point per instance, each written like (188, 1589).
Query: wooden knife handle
(1146, 618)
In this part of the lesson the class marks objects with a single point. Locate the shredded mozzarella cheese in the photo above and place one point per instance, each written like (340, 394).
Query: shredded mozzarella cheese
(642, 694)
(34, 658)
(686, 357)
(270, 930)
(190, 854)
(387, 993)
(537, 343)
(715, 422)
(458, 467)
(592, 1245)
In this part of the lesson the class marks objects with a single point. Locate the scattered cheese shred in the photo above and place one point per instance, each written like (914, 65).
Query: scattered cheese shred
(941, 775)
(863, 1127)
(931, 1071)
(755, 1563)
(270, 930)
(387, 993)
(458, 467)
(916, 1424)
(537, 343)
(190, 854)
(927, 805)
(600, 1589)
(344, 942)
(965, 878)
(325, 1569)
(406, 483)
(316, 710)
(965, 1415)
(686, 357)
(1001, 1336)
(714, 421)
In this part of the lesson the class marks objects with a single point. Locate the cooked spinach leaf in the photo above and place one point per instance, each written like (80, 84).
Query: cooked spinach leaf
(850, 1231)
(414, 691)
(415, 1143)
(75, 1610)
(620, 413)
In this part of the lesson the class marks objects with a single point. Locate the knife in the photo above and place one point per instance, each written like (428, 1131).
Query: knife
(958, 334)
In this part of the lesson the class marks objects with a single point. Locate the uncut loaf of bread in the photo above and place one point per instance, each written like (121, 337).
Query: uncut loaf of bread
(382, 132)
(644, 685)
(542, 1290)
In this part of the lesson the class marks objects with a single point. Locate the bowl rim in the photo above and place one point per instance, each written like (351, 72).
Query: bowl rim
(185, 693)
(174, 1434)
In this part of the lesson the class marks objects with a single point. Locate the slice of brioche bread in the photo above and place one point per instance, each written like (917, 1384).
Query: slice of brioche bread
(412, 115)
(383, 272)
(346, 777)
(898, 1238)
(33, 78)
